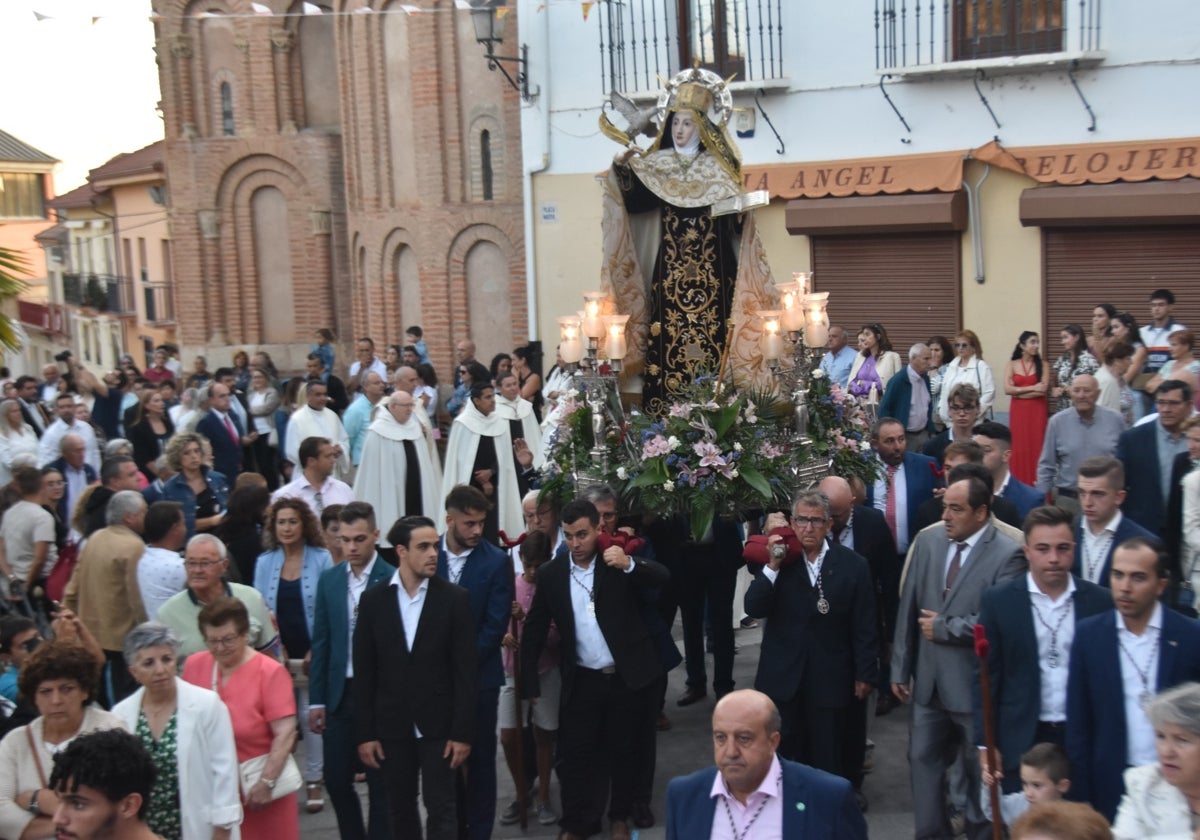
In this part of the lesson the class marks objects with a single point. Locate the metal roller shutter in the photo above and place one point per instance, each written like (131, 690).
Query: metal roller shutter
(907, 282)
(1086, 266)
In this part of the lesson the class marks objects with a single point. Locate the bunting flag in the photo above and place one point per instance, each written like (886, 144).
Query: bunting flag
(587, 9)
(501, 12)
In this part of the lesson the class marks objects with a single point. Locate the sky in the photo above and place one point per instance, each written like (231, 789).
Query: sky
(80, 91)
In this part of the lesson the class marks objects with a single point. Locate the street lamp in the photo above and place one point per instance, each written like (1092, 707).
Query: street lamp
(488, 17)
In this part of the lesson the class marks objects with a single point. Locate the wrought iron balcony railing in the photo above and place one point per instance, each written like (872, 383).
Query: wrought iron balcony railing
(642, 40)
(915, 33)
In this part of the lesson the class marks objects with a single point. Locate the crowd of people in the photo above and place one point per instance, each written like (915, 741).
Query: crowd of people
(222, 564)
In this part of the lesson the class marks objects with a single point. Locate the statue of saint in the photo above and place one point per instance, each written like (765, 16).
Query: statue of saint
(682, 254)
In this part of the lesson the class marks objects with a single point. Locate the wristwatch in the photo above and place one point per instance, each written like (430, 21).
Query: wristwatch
(33, 806)
(270, 783)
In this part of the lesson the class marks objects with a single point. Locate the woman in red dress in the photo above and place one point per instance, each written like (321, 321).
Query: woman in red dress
(1026, 380)
(258, 693)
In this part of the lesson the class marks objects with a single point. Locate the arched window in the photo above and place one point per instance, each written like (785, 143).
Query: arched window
(485, 163)
(226, 109)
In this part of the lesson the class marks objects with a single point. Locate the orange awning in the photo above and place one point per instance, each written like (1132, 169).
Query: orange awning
(1098, 163)
(941, 172)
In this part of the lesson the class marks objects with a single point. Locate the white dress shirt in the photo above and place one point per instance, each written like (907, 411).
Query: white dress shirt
(333, 492)
(591, 650)
(1059, 615)
(1095, 547)
(900, 488)
(356, 585)
(1144, 652)
(410, 614)
(455, 563)
(812, 566)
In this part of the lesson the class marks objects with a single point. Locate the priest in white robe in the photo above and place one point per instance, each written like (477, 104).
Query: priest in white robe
(316, 420)
(518, 411)
(480, 453)
(396, 475)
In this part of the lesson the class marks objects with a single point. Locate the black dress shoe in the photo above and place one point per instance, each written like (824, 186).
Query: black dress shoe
(692, 695)
(643, 817)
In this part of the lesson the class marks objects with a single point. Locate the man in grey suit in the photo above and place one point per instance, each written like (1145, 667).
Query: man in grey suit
(952, 564)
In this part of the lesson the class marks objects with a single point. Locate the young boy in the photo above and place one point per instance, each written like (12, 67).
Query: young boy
(415, 336)
(1045, 777)
(535, 551)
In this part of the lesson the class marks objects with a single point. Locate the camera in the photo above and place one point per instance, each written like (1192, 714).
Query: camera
(64, 356)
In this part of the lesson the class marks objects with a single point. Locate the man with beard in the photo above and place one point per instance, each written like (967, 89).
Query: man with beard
(103, 782)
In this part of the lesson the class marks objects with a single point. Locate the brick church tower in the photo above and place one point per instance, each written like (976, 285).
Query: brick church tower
(357, 169)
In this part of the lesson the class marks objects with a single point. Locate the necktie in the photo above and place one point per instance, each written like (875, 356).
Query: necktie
(889, 506)
(955, 566)
(232, 431)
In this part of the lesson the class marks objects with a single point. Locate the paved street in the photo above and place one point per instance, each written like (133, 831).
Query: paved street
(687, 747)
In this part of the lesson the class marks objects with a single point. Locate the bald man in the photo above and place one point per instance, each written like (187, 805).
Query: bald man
(361, 412)
(753, 790)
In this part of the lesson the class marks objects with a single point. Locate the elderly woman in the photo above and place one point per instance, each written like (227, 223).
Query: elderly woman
(17, 438)
(1163, 799)
(188, 732)
(202, 491)
(61, 677)
(286, 576)
(1182, 365)
(257, 690)
(875, 364)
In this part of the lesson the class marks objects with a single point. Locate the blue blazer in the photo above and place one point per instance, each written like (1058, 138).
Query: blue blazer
(1024, 497)
(1137, 449)
(815, 804)
(1096, 732)
(1007, 616)
(331, 632)
(919, 482)
(227, 455)
(488, 577)
(897, 399)
(1126, 530)
(269, 567)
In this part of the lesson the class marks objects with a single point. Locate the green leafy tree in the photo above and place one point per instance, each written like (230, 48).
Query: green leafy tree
(12, 267)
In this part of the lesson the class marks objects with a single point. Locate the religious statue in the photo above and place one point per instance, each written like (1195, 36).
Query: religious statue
(682, 254)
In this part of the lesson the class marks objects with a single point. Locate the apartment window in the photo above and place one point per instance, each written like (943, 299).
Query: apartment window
(22, 196)
(716, 35)
(143, 259)
(989, 28)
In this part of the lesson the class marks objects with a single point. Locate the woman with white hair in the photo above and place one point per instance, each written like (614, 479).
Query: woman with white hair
(123, 448)
(189, 734)
(1163, 800)
(17, 438)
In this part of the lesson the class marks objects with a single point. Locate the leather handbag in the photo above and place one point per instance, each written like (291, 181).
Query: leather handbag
(289, 780)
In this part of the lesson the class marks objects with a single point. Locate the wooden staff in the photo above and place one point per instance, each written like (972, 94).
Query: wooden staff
(989, 728)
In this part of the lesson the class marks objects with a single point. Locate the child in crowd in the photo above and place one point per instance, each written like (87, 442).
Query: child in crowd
(535, 551)
(324, 347)
(1045, 777)
(416, 337)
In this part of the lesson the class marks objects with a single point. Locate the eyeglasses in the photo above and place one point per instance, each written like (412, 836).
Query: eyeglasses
(200, 565)
(805, 522)
(1170, 403)
(963, 408)
(223, 642)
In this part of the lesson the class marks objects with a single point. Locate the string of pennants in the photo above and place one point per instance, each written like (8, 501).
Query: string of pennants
(262, 10)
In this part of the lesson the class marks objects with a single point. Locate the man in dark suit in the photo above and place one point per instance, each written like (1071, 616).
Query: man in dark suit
(906, 480)
(1148, 451)
(962, 453)
(821, 643)
(1038, 613)
(609, 665)
(951, 566)
(331, 678)
(1102, 526)
(339, 400)
(803, 803)
(76, 471)
(908, 397)
(1119, 659)
(224, 432)
(465, 558)
(414, 683)
(32, 410)
(996, 441)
